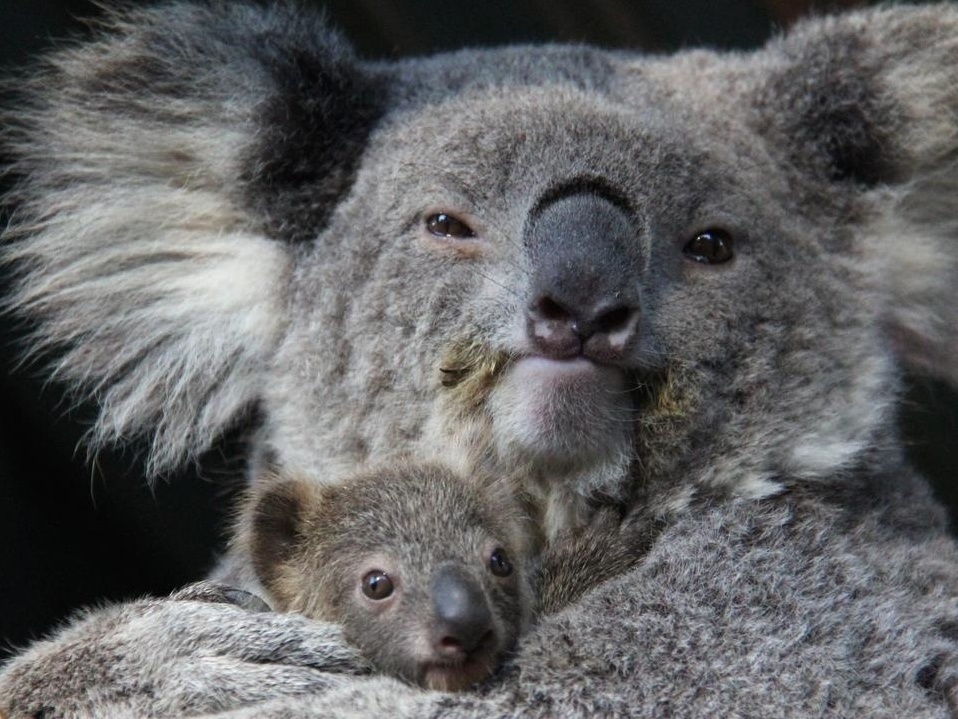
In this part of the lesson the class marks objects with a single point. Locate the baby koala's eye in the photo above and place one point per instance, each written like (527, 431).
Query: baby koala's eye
(377, 585)
(443, 225)
(712, 247)
(499, 563)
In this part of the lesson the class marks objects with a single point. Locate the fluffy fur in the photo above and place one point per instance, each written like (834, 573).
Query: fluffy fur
(219, 207)
(432, 533)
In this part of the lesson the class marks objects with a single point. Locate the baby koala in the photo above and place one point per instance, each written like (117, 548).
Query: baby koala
(426, 571)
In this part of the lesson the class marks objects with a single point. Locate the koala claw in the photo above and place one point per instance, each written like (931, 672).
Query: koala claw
(213, 592)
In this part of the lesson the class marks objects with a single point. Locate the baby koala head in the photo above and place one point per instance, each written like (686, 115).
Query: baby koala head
(426, 571)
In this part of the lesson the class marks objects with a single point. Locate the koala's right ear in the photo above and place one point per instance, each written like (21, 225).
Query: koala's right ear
(273, 524)
(161, 172)
(870, 99)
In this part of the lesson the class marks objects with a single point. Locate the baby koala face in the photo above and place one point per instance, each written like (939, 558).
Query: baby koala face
(427, 572)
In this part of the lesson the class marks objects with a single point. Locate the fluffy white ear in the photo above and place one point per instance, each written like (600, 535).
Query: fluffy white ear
(150, 217)
(871, 99)
(922, 272)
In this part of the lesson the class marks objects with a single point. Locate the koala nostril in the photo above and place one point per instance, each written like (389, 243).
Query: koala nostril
(553, 328)
(612, 320)
(548, 309)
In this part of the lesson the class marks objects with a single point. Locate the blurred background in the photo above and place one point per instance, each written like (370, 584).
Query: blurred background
(75, 532)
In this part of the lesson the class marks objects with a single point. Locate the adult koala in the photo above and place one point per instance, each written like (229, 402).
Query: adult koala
(683, 285)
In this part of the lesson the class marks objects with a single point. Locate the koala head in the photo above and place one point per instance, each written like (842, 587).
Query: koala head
(427, 572)
(697, 271)
(602, 272)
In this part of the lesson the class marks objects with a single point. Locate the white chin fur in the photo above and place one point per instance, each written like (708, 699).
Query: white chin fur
(561, 412)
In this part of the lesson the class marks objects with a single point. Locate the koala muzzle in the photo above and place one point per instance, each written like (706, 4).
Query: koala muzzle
(585, 294)
(463, 622)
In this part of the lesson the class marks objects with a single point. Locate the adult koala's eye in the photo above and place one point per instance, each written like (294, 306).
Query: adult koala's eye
(377, 585)
(499, 563)
(711, 247)
(443, 225)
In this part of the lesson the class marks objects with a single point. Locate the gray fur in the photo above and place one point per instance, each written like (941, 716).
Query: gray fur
(448, 620)
(311, 543)
(183, 642)
(261, 239)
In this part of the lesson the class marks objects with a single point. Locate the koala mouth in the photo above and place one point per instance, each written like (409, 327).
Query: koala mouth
(551, 412)
(563, 371)
(450, 676)
(559, 393)
(471, 372)
(562, 410)
(457, 668)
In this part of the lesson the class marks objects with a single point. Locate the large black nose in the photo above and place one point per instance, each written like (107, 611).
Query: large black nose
(463, 621)
(585, 297)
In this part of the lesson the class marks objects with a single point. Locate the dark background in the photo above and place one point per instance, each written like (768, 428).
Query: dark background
(74, 532)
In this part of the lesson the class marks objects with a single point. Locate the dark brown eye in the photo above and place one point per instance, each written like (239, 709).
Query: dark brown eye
(712, 247)
(499, 563)
(377, 585)
(443, 225)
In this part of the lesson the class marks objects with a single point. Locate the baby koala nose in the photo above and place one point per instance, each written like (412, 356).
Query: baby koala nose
(463, 622)
(584, 300)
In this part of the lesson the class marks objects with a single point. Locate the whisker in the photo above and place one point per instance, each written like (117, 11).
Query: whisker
(486, 277)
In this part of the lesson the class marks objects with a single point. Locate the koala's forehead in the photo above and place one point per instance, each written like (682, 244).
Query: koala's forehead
(407, 513)
(492, 140)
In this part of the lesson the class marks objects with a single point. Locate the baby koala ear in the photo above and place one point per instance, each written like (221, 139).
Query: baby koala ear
(868, 101)
(274, 521)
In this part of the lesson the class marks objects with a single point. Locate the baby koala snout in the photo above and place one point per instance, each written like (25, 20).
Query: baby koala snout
(463, 620)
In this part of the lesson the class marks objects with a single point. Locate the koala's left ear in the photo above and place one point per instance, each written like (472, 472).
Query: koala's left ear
(870, 100)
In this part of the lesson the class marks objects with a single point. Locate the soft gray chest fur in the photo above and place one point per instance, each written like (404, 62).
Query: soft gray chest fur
(683, 287)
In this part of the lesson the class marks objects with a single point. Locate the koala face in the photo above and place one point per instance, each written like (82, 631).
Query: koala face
(638, 298)
(427, 572)
(604, 274)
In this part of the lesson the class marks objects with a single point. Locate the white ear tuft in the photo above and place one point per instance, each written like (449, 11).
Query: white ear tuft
(163, 172)
(871, 98)
(917, 239)
(160, 306)
(150, 285)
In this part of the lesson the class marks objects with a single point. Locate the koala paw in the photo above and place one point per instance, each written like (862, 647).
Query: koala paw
(222, 594)
(160, 658)
(582, 559)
